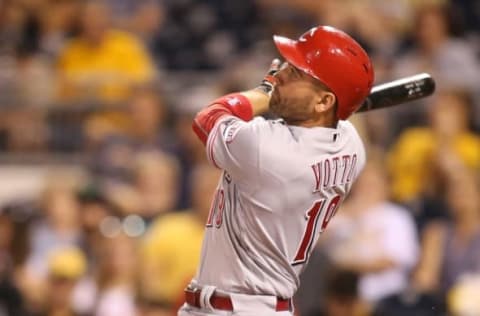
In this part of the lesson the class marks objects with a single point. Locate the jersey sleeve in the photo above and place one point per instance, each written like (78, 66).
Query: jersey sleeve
(234, 145)
(361, 158)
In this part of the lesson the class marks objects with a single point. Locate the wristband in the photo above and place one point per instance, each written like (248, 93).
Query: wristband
(238, 104)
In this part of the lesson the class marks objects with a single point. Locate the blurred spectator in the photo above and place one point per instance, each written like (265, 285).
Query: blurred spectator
(410, 302)
(143, 123)
(27, 39)
(114, 159)
(11, 301)
(116, 277)
(115, 141)
(171, 248)
(451, 60)
(380, 25)
(290, 18)
(156, 178)
(12, 19)
(148, 113)
(206, 35)
(33, 68)
(190, 153)
(66, 267)
(102, 63)
(94, 210)
(145, 18)
(18, 217)
(374, 237)
(24, 130)
(341, 297)
(58, 229)
(110, 288)
(452, 248)
(311, 295)
(57, 20)
(153, 189)
(41, 26)
(415, 159)
(126, 13)
(145, 308)
(469, 15)
(463, 297)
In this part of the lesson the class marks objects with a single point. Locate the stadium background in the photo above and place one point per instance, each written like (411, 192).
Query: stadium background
(104, 189)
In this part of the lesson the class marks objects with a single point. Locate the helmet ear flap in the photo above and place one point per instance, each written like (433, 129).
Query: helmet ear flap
(336, 60)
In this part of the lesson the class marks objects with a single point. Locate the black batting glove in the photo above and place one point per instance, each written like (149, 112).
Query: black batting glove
(269, 81)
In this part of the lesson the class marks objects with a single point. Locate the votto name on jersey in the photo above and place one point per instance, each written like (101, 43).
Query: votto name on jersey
(333, 171)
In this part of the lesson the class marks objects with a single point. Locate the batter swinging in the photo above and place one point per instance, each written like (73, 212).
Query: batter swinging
(283, 179)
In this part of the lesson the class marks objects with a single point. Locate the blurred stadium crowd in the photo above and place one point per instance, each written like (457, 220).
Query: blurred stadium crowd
(104, 189)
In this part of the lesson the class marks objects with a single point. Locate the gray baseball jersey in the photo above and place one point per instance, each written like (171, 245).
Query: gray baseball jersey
(281, 186)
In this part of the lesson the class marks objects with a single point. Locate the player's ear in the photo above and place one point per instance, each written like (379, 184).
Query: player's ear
(325, 100)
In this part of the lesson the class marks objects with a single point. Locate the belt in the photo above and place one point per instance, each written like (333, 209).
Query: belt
(192, 297)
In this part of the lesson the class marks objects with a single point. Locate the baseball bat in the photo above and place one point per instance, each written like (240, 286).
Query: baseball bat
(399, 91)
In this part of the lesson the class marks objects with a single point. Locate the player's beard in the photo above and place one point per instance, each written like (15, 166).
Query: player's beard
(293, 109)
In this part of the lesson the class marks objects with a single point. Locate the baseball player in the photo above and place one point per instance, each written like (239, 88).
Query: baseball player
(283, 179)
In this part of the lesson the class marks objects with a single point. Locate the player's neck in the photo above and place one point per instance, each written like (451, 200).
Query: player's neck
(322, 121)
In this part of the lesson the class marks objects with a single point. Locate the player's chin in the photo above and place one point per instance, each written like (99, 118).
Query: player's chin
(279, 111)
(275, 108)
(279, 107)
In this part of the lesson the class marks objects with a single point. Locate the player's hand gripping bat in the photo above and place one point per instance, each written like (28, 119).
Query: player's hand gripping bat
(399, 91)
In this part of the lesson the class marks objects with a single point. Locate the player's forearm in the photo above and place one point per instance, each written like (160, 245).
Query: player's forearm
(244, 105)
(235, 104)
(369, 267)
(259, 101)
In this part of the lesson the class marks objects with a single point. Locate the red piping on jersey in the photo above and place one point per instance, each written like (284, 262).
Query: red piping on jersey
(210, 150)
(234, 104)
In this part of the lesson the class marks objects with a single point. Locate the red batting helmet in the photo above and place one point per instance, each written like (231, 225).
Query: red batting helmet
(334, 58)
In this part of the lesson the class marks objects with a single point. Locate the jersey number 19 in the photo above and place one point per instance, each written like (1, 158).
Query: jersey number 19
(312, 216)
